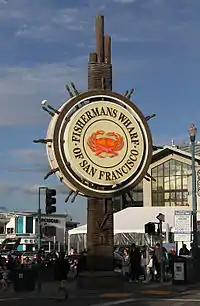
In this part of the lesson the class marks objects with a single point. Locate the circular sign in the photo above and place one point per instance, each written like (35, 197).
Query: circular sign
(101, 144)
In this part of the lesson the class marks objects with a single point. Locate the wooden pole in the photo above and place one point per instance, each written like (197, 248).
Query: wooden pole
(100, 245)
(100, 38)
(107, 49)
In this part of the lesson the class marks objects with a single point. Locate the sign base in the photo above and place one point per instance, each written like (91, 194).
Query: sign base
(100, 280)
(100, 263)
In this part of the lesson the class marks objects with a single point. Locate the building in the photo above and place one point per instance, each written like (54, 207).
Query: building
(24, 225)
(168, 191)
(170, 185)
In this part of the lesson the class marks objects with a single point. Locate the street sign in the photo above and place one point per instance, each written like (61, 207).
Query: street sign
(183, 225)
(99, 149)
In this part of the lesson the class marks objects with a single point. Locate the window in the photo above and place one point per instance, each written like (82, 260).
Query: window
(10, 230)
(19, 225)
(171, 185)
(135, 198)
(29, 225)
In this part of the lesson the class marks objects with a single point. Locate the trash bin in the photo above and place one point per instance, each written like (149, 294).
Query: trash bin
(182, 272)
(24, 279)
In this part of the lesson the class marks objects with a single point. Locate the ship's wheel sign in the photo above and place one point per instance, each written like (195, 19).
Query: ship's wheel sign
(101, 144)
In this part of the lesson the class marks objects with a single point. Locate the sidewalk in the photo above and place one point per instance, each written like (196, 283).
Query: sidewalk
(50, 290)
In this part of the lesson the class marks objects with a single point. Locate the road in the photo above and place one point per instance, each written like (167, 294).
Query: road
(191, 297)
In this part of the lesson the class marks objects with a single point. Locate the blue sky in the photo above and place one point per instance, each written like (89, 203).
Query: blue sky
(45, 44)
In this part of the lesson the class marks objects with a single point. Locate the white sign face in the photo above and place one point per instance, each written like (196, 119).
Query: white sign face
(179, 271)
(100, 148)
(183, 225)
(104, 143)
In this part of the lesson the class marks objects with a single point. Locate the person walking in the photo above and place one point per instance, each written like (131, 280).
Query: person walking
(159, 261)
(62, 270)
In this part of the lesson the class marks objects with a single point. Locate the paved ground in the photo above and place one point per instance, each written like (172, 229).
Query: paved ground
(134, 294)
(191, 297)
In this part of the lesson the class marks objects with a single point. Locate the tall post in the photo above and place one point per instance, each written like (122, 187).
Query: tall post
(100, 38)
(39, 235)
(194, 197)
(39, 238)
(162, 252)
(100, 244)
(64, 235)
(39, 219)
(192, 134)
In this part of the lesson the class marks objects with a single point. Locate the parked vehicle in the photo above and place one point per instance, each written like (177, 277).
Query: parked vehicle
(15, 254)
(118, 260)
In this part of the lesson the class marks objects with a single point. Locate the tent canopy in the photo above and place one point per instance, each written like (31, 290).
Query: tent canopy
(133, 219)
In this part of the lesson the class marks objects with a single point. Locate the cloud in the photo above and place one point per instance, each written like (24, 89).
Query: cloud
(22, 88)
(20, 169)
(7, 188)
(167, 140)
(28, 155)
(24, 85)
(26, 160)
(124, 1)
(33, 189)
(30, 189)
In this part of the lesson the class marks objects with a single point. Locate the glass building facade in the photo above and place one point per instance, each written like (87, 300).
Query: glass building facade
(136, 199)
(170, 187)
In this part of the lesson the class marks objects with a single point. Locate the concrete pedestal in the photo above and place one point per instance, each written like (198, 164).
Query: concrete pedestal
(100, 280)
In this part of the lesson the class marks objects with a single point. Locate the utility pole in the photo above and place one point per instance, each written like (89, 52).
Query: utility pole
(39, 235)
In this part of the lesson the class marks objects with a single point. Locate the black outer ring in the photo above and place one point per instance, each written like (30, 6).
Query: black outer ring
(62, 166)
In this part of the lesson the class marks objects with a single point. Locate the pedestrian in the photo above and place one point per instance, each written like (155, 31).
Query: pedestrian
(159, 261)
(3, 275)
(184, 251)
(63, 267)
(135, 263)
(126, 264)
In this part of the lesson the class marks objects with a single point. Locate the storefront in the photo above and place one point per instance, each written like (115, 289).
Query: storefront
(54, 230)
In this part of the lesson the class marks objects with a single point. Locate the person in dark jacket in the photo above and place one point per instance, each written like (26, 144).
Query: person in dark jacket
(82, 263)
(62, 268)
(184, 250)
(135, 262)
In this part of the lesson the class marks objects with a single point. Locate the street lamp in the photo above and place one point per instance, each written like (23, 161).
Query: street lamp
(161, 219)
(192, 134)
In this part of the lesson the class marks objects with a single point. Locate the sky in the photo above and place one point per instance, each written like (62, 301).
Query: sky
(45, 45)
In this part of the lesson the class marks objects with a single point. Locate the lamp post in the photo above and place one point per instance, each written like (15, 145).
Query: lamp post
(192, 134)
(161, 219)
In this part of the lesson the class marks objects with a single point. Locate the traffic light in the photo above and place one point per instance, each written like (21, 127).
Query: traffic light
(150, 228)
(50, 201)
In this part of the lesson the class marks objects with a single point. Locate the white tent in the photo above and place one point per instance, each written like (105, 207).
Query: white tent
(132, 221)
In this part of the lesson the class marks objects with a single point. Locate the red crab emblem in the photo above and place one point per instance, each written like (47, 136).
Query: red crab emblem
(109, 144)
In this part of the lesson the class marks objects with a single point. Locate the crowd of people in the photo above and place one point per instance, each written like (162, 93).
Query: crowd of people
(140, 263)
